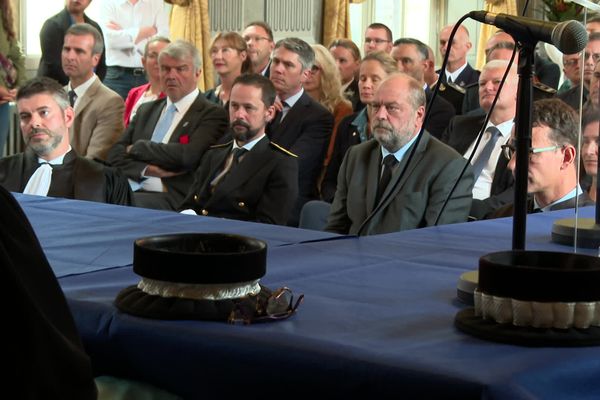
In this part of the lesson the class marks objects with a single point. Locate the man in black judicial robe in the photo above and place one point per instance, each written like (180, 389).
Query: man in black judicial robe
(42, 348)
(45, 117)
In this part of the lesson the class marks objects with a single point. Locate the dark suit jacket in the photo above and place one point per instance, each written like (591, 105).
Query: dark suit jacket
(453, 94)
(43, 347)
(461, 132)
(412, 199)
(51, 40)
(571, 96)
(439, 116)
(466, 77)
(78, 178)
(471, 99)
(508, 210)
(200, 127)
(305, 131)
(263, 187)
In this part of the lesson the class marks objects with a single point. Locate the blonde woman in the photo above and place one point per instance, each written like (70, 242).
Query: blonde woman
(325, 86)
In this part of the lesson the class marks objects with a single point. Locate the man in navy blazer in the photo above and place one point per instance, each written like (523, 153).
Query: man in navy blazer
(164, 143)
(303, 126)
(262, 184)
(51, 40)
(458, 71)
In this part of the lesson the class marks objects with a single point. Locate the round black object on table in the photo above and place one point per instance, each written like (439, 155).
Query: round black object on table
(204, 259)
(539, 276)
(467, 322)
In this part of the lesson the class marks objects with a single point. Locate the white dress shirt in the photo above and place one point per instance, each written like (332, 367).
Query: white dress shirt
(153, 183)
(483, 184)
(121, 49)
(81, 89)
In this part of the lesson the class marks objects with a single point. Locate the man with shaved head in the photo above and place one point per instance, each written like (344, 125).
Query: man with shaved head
(458, 71)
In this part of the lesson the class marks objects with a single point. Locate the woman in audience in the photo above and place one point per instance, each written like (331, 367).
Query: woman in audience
(12, 68)
(153, 89)
(355, 129)
(229, 56)
(589, 147)
(324, 85)
(347, 57)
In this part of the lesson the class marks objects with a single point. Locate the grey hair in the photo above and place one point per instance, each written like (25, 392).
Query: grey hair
(306, 54)
(87, 29)
(180, 49)
(154, 39)
(41, 85)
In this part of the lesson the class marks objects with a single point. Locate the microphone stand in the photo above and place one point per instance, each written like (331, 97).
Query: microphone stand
(523, 139)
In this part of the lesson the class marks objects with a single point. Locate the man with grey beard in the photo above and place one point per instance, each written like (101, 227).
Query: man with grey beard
(49, 166)
(250, 178)
(382, 188)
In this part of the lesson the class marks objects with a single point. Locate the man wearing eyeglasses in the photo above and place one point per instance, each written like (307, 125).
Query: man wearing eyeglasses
(552, 178)
(493, 181)
(259, 38)
(378, 37)
(379, 190)
(572, 72)
(591, 57)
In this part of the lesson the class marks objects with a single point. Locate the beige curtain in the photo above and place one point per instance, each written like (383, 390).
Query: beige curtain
(495, 6)
(336, 20)
(190, 21)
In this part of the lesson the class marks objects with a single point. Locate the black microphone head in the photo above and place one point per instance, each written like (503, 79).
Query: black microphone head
(569, 37)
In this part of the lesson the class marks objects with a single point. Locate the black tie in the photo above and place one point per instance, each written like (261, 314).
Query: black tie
(238, 152)
(277, 120)
(72, 97)
(486, 153)
(389, 162)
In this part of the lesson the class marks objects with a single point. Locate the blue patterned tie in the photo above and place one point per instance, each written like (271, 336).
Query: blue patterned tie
(486, 153)
(163, 125)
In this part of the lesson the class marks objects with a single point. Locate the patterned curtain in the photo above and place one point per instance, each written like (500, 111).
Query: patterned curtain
(494, 6)
(336, 20)
(190, 21)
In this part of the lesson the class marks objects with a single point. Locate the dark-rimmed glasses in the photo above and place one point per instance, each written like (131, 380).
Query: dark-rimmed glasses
(279, 305)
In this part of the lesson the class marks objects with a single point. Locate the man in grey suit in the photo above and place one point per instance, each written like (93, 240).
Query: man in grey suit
(401, 179)
(98, 110)
(164, 143)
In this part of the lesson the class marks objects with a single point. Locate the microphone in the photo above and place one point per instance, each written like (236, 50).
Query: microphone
(569, 37)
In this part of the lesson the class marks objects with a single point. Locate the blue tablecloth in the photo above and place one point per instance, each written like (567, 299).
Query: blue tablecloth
(377, 320)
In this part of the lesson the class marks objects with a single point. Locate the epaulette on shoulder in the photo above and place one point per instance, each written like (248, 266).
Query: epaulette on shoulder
(285, 151)
(544, 88)
(218, 146)
(456, 87)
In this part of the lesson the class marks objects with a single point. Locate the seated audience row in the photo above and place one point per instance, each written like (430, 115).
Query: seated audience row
(167, 140)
